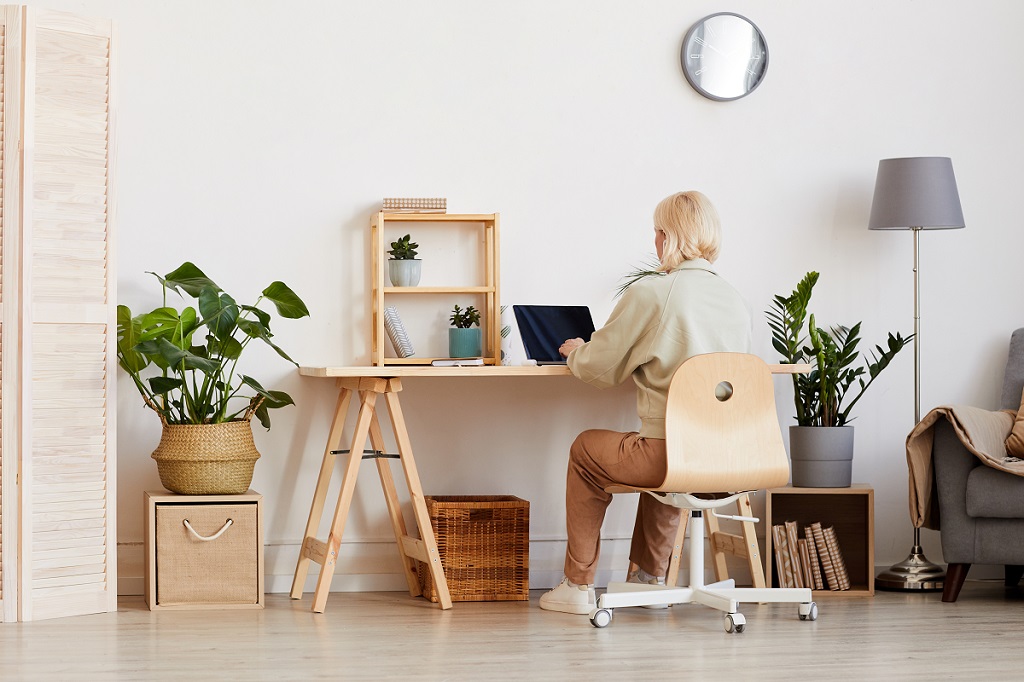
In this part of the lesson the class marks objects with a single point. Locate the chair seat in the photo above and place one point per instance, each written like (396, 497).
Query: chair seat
(994, 494)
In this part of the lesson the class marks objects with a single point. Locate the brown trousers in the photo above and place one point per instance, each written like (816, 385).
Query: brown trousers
(601, 458)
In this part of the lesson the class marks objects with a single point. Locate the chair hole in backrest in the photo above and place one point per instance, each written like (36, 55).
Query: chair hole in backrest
(723, 391)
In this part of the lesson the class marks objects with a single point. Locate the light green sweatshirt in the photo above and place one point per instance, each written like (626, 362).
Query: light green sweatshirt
(658, 323)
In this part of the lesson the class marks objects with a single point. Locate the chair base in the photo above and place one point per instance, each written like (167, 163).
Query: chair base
(722, 596)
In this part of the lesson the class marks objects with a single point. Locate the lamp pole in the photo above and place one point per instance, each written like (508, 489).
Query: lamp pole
(915, 572)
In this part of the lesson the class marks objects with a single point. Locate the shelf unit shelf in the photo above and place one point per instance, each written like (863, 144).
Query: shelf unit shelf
(487, 290)
(850, 510)
(438, 290)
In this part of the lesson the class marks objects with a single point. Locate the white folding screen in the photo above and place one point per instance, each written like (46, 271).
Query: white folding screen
(59, 317)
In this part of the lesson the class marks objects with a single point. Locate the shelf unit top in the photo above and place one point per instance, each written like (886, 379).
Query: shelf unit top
(435, 217)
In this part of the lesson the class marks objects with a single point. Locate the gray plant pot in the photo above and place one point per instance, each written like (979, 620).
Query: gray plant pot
(405, 273)
(822, 456)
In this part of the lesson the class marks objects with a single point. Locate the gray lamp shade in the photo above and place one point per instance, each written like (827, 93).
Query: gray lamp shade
(916, 192)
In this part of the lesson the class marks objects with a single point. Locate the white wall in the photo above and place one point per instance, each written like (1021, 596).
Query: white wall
(257, 137)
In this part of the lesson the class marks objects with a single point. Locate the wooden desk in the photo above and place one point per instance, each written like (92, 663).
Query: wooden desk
(370, 383)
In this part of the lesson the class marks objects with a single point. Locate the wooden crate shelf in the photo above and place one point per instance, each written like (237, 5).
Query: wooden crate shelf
(850, 510)
(485, 291)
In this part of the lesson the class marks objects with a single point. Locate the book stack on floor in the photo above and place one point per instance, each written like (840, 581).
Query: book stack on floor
(813, 560)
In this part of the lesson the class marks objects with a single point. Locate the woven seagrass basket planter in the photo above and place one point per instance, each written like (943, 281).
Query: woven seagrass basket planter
(206, 459)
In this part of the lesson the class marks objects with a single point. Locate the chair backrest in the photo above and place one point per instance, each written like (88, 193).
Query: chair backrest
(1013, 379)
(723, 443)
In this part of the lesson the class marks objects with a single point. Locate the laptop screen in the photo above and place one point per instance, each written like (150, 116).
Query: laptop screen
(544, 328)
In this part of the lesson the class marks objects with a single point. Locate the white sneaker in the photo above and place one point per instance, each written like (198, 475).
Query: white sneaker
(634, 577)
(570, 598)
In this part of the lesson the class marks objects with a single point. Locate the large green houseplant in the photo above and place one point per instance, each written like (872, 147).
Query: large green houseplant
(825, 396)
(185, 365)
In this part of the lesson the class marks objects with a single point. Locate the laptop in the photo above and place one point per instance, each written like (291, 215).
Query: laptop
(544, 328)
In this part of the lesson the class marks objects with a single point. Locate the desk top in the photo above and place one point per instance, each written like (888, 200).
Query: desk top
(476, 371)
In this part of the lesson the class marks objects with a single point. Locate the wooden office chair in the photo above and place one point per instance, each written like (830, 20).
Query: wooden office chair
(723, 440)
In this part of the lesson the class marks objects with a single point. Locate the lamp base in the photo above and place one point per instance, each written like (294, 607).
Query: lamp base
(915, 573)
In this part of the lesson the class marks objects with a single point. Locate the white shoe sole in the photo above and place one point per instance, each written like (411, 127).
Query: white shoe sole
(574, 609)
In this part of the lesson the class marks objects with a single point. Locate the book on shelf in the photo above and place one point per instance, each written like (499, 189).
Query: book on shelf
(396, 332)
(805, 563)
(817, 582)
(794, 554)
(827, 567)
(782, 560)
(458, 362)
(838, 564)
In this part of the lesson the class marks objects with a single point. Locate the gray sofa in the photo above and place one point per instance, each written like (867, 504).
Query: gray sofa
(981, 509)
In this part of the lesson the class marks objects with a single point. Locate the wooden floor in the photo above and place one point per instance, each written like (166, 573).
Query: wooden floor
(389, 635)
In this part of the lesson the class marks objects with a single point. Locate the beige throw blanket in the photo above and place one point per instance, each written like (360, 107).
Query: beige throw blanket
(982, 432)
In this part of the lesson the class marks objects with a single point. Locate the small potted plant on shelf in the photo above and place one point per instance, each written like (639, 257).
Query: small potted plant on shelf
(463, 340)
(404, 268)
(205, 404)
(821, 444)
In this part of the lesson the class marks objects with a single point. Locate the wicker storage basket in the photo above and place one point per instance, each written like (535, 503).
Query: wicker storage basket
(484, 545)
(206, 459)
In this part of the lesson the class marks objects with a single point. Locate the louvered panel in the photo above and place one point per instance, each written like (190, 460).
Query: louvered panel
(57, 200)
(1, 404)
(69, 439)
(70, 181)
(4, 612)
(3, 45)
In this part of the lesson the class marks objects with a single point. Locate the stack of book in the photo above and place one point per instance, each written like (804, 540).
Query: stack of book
(415, 204)
(813, 560)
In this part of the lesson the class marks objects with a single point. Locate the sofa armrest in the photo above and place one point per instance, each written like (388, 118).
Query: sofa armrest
(952, 464)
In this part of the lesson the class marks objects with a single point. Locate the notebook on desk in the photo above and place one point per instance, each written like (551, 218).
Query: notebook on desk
(544, 328)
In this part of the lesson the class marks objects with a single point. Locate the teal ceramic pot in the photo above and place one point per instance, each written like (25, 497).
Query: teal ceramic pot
(464, 343)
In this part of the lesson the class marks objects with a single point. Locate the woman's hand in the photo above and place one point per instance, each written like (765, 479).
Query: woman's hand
(569, 346)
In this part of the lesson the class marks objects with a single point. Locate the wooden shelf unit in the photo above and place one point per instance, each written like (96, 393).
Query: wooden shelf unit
(488, 290)
(850, 510)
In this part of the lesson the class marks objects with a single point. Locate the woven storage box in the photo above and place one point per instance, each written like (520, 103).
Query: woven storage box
(204, 554)
(484, 545)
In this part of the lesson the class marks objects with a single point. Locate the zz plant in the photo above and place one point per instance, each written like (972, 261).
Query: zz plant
(821, 397)
(197, 350)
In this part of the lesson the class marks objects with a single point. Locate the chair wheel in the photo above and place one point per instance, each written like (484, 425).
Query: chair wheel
(600, 618)
(808, 611)
(735, 622)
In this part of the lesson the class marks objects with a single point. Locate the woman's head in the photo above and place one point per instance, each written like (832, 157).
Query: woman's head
(689, 223)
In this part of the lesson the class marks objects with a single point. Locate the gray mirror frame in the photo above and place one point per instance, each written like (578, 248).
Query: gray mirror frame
(690, 78)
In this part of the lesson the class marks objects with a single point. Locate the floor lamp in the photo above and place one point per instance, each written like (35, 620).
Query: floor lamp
(915, 194)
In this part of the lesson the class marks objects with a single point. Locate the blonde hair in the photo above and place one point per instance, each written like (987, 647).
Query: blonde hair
(691, 226)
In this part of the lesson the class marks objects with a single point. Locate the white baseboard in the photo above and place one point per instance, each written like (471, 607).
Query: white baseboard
(375, 566)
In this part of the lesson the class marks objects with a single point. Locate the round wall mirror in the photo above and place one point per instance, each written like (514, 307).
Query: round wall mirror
(724, 56)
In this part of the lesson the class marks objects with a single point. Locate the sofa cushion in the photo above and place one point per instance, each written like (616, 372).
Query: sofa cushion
(1015, 441)
(994, 494)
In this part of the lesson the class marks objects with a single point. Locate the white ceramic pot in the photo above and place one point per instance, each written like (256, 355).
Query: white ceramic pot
(405, 273)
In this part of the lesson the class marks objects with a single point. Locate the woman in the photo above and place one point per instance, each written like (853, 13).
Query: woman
(659, 322)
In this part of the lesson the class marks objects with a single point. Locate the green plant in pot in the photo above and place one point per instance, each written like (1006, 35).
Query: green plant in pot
(404, 269)
(463, 340)
(821, 445)
(192, 379)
